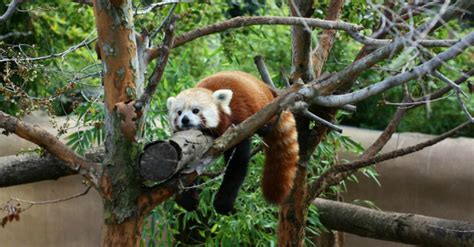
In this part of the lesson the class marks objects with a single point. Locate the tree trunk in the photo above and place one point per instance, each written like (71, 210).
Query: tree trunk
(120, 184)
(292, 216)
(127, 233)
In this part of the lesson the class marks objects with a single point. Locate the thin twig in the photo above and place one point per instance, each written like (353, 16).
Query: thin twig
(320, 120)
(163, 23)
(262, 68)
(55, 200)
(360, 163)
(414, 103)
(450, 83)
(464, 108)
(458, 92)
(153, 6)
(349, 108)
(83, 43)
(442, 91)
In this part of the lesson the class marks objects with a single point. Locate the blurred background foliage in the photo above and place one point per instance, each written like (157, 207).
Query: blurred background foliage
(69, 85)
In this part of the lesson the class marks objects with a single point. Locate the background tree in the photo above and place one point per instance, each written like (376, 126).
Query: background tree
(403, 59)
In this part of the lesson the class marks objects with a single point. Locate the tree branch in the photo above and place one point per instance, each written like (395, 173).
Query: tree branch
(15, 34)
(404, 228)
(153, 6)
(381, 140)
(23, 169)
(381, 42)
(29, 168)
(163, 23)
(51, 144)
(162, 159)
(160, 66)
(241, 21)
(88, 40)
(396, 153)
(54, 200)
(351, 72)
(419, 71)
(440, 92)
(262, 68)
(329, 177)
(10, 10)
(85, 2)
(326, 39)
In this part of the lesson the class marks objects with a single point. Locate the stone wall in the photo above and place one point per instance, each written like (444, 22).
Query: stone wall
(437, 181)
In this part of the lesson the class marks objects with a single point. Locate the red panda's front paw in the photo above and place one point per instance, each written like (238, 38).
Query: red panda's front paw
(224, 205)
(189, 200)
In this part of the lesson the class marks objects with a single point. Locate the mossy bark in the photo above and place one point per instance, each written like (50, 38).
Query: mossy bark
(120, 183)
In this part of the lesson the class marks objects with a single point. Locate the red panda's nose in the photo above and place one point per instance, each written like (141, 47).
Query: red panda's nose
(185, 120)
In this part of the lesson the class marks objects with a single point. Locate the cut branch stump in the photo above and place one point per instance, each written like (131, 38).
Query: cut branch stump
(160, 160)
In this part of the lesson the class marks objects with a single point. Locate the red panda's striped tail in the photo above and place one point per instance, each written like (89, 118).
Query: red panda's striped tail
(281, 159)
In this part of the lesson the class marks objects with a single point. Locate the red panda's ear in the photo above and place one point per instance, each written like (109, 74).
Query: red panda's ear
(169, 102)
(222, 96)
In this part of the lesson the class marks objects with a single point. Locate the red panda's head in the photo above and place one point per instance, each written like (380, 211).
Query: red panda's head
(198, 108)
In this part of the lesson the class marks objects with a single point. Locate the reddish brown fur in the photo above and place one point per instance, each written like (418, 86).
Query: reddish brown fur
(281, 156)
(281, 159)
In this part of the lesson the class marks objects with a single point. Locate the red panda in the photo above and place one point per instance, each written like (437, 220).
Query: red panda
(228, 98)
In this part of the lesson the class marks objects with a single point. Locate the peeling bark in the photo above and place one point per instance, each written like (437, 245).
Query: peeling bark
(120, 184)
(118, 51)
(127, 233)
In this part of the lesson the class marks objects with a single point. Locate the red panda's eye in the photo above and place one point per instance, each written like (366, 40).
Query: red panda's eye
(195, 111)
(179, 113)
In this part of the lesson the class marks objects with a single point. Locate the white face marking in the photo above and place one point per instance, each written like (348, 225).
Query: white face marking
(195, 108)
